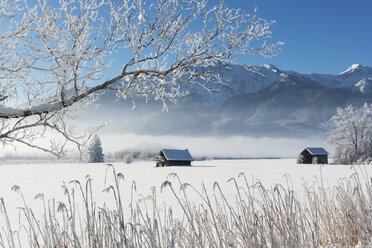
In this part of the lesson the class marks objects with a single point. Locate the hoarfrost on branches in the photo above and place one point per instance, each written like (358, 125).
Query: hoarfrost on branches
(56, 59)
(351, 132)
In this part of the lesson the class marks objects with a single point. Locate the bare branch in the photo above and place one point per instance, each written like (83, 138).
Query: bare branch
(62, 56)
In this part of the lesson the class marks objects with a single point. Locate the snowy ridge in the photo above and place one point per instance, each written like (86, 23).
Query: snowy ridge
(358, 68)
(364, 85)
(243, 79)
(237, 79)
(258, 101)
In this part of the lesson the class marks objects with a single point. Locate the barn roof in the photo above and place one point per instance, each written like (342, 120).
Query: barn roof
(317, 150)
(174, 154)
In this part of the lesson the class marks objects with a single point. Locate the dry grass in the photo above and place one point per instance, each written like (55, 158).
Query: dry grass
(324, 217)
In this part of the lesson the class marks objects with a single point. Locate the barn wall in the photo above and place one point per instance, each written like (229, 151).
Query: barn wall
(319, 159)
(322, 159)
(165, 163)
(305, 158)
(175, 163)
(160, 162)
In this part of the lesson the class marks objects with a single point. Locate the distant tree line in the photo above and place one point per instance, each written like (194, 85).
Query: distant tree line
(139, 153)
(132, 154)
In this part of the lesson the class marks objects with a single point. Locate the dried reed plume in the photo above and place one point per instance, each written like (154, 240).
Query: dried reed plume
(340, 216)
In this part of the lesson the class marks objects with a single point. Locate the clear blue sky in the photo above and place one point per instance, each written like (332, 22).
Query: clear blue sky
(322, 36)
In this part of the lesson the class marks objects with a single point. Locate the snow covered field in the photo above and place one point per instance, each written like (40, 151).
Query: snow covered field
(280, 208)
(48, 178)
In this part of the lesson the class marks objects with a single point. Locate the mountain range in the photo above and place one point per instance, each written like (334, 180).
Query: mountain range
(256, 101)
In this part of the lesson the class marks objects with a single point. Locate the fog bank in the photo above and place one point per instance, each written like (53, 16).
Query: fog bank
(235, 146)
(209, 147)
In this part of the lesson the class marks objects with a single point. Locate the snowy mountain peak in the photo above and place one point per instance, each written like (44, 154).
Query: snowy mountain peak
(245, 79)
(357, 67)
(354, 66)
(265, 67)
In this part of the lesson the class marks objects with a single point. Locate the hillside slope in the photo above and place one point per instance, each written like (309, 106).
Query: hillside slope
(257, 101)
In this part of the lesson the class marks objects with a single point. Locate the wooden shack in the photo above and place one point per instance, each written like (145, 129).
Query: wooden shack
(313, 155)
(173, 157)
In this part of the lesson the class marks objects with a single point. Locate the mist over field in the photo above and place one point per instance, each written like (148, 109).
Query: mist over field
(205, 147)
(218, 147)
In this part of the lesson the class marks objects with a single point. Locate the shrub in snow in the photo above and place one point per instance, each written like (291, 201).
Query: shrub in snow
(301, 159)
(95, 152)
(128, 158)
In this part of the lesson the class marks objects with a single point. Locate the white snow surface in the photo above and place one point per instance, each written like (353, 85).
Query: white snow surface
(48, 178)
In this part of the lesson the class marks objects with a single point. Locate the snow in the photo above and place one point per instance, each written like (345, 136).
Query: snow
(141, 18)
(364, 85)
(352, 68)
(48, 178)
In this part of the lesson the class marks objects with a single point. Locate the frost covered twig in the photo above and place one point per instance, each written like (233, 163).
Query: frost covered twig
(56, 58)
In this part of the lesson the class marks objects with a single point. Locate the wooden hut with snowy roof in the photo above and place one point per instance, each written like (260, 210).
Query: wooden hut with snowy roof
(313, 155)
(173, 157)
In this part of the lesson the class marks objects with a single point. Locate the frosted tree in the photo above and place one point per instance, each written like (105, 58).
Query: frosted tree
(95, 151)
(351, 132)
(57, 57)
